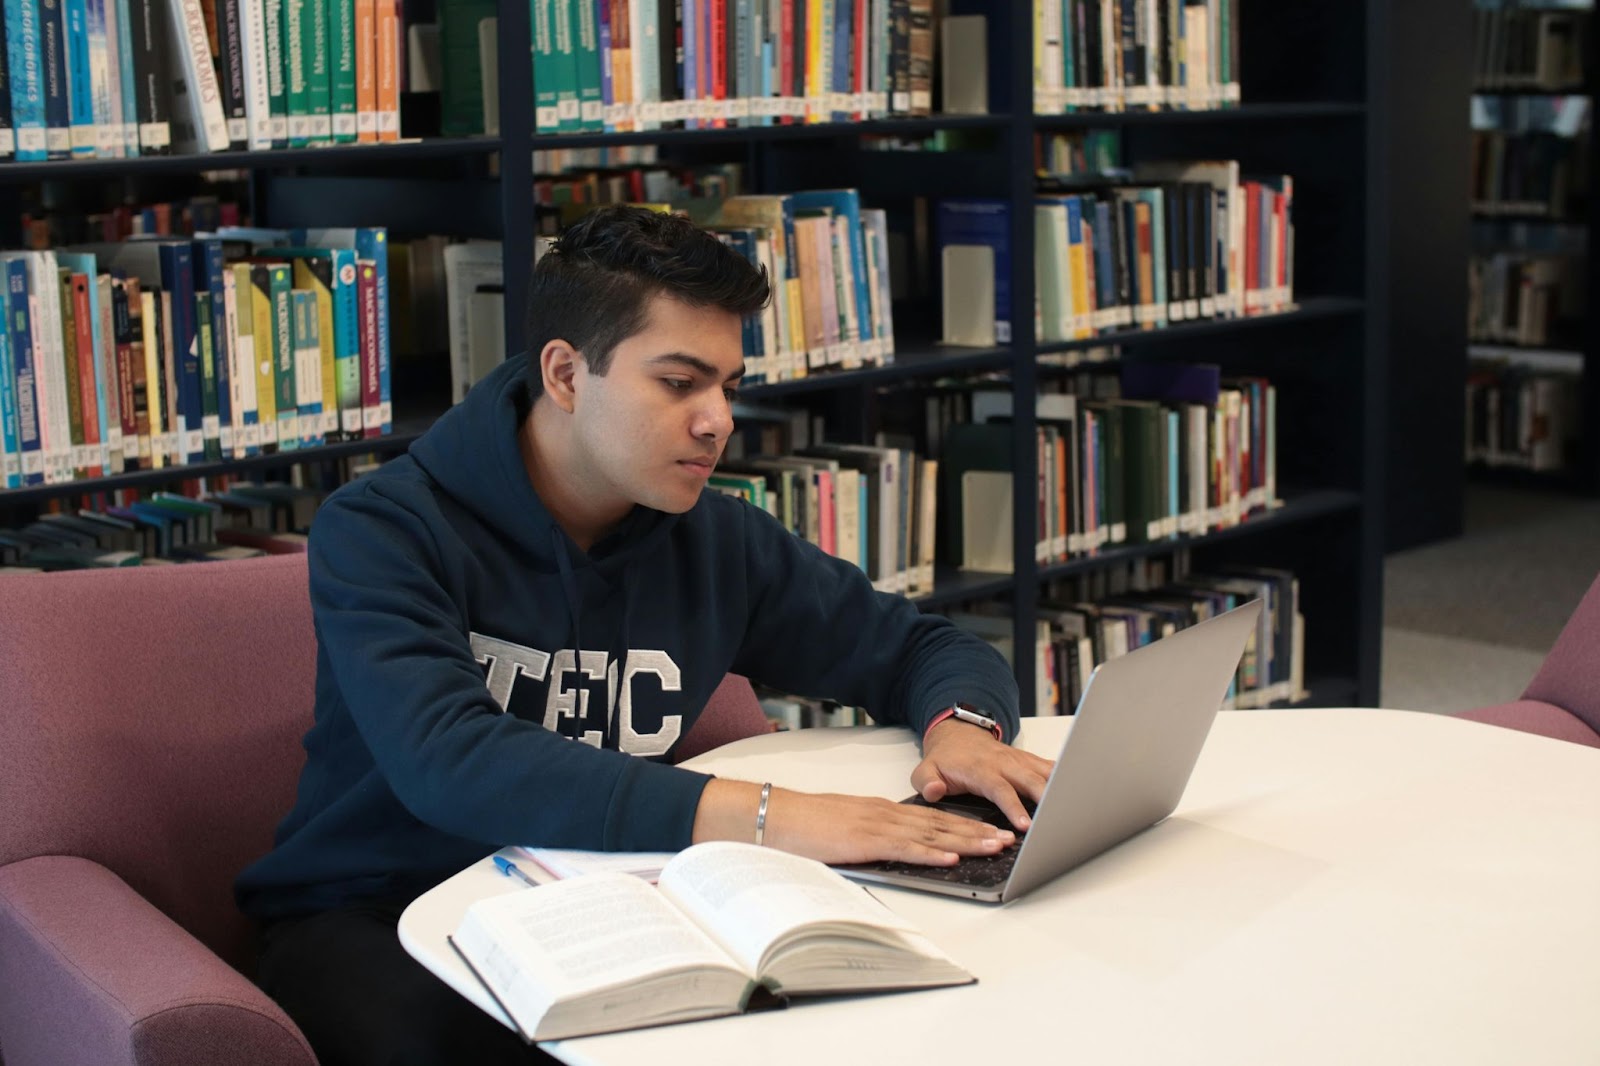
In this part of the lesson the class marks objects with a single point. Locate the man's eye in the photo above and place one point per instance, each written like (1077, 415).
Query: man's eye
(731, 395)
(678, 384)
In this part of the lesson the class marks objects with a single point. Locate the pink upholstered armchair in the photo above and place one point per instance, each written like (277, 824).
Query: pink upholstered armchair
(150, 725)
(1563, 699)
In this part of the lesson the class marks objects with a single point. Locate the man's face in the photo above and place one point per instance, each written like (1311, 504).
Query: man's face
(650, 431)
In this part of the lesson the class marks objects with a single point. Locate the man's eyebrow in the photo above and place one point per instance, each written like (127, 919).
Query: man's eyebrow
(698, 365)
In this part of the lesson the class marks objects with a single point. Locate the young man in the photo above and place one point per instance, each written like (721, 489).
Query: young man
(519, 619)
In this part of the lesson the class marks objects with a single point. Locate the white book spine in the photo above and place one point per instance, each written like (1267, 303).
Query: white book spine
(197, 101)
(253, 46)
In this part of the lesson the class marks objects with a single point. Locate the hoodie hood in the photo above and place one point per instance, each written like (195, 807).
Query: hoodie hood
(473, 453)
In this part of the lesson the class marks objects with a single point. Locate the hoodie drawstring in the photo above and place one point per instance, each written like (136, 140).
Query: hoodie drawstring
(569, 589)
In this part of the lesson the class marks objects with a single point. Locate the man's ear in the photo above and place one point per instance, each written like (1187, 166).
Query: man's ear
(558, 371)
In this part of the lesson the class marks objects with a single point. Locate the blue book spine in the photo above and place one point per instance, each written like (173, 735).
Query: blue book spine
(1105, 281)
(1157, 200)
(53, 79)
(608, 94)
(691, 58)
(209, 267)
(80, 83)
(373, 243)
(768, 65)
(839, 80)
(18, 326)
(986, 222)
(130, 99)
(25, 69)
(177, 278)
(107, 127)
(10, 445)
(347, 342)
(1080, 315)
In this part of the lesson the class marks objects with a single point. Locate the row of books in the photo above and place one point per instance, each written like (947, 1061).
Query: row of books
(1135, 55)
(618, 65)
(871, 505)
(233, 521)
(826, 256)
(117, 78)
(1526, 173)
(1201, 244)
(1516, 48)
(77, 222)
(1077, 631)
(1521, 418)
(155, 353)
(1079, 155)
(1179, 453)
(1529, 300)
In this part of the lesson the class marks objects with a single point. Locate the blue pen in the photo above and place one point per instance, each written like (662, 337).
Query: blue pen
(511, 869)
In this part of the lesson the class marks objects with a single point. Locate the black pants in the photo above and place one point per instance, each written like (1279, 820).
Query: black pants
(361, 1000)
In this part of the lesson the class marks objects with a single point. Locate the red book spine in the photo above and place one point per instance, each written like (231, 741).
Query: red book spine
(367, 323)
(84, 328)
(1252, 246)
(719, 55)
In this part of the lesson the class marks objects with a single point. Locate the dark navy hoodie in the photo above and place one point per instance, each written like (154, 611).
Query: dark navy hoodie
(453, 715)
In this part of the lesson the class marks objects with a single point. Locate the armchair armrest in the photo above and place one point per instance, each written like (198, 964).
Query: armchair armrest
(91, 972)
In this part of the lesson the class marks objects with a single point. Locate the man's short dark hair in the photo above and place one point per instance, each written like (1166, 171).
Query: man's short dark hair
(592, 288)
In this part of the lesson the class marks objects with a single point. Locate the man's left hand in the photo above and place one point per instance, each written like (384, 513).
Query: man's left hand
(959, 757)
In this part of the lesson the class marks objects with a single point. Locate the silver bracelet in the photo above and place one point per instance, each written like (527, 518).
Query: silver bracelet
(761, 813)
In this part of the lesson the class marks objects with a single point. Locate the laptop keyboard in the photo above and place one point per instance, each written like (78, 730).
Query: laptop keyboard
(978, 871)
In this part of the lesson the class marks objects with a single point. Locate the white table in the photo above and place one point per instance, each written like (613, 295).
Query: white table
(1337, 886)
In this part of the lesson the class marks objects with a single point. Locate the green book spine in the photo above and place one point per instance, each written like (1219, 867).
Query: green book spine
(546, 78)
(297, 98)
(314, 39)
(210, 423)
(568, 114)
(277, 84)
(283, 358)
(591, 102)
(342, 69)
(461, 96)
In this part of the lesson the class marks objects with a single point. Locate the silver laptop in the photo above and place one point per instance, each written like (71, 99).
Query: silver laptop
(1140, 725)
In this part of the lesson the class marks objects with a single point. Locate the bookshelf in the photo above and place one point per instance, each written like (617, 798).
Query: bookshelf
(1542, 101)
(1311, 108)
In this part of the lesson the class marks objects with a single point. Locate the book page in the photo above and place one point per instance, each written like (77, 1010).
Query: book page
(564, 863)
(587, 933)
(749, 896)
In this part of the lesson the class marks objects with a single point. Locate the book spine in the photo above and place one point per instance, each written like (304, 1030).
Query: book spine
(229, 56)
(366, 45)
(196, 98)
(371, 390)
(569, 114)
(206, 356)
(107, 125)
(241, 366)
(297, 98)
(314, 40)
(608, 111)
(341, 62)
(78, 338)
(152, 94)
(591, 100)
(18, 326)
(373, 244)
(130, 375)
(10, 442)
(347, 342)
(389, 59)
(546, 79)
(108, 392)
(209, 271)
(53, 79)
(85, 133)
(257, 93)
(273, 38)
(255, 318)
(127, 89)
(25, 73)
(306, 342)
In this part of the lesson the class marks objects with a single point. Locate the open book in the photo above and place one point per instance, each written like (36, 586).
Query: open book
(728, 926)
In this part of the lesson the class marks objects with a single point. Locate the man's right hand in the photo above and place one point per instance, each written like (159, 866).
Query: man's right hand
(842, 829)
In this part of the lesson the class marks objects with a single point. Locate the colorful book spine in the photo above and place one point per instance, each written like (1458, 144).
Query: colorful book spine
(225, 22)
(306, 344)
(254, 308)
(210, 388)
(257, 90)
(80, 83)
(341, 60)
(546, 79)
(122, 12)
(366, 71)
(23, 360)
(297, 92)
(319, 75)
(274, 38)
(569, 115)
(102, 71)
(25, 71)
(371, 392)
(591, 100)
(10, 442)
(53, 79)
(389, 30)
(241, 366)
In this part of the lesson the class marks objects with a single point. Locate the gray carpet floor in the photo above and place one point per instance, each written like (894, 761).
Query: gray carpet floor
(1467, 622)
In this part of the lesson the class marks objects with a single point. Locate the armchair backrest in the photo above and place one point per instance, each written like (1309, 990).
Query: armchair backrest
(151, 722)
(1570, 674)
